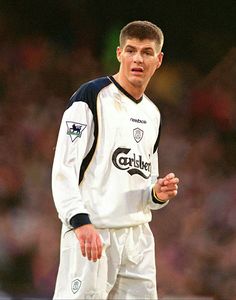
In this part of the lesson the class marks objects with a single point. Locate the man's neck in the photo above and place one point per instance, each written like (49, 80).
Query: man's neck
(134, 91)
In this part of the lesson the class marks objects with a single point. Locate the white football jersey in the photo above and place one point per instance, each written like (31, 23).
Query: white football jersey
(106, 158)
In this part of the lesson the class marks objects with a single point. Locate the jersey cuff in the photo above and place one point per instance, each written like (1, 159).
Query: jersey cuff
(79, 220)
(156, 200)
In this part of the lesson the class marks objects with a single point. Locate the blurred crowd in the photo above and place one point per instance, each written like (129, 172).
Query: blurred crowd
(36, 81)
(195, 233)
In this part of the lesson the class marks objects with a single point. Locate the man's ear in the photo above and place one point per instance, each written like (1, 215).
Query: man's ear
(159, 59)
(118, 53)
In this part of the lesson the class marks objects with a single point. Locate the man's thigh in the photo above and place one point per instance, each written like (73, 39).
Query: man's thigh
(79, 278)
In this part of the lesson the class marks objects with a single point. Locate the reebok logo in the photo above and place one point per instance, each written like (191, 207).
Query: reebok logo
(138, 121)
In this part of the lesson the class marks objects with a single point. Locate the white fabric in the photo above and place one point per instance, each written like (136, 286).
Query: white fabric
(109, 193)
(125, 271)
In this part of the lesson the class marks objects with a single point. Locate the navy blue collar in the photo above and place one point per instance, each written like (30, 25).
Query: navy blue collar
(124, 91)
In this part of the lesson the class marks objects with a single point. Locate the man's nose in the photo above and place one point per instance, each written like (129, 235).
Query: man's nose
(138, 58)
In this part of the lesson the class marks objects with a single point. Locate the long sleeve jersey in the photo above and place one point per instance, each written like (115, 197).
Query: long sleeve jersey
(106, 159)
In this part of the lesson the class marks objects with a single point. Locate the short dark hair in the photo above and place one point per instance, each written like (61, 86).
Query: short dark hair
(142, 30)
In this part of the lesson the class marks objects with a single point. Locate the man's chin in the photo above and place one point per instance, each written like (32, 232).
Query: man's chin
(137, 82)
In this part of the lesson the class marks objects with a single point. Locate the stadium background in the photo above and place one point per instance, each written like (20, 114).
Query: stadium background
(48, 48)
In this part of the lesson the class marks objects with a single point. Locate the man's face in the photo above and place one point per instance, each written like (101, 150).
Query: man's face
(138, 61)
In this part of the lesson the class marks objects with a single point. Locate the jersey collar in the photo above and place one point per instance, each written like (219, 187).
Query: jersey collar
(124, 91)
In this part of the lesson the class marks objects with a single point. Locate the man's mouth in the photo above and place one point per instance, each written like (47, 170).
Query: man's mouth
(137, 70)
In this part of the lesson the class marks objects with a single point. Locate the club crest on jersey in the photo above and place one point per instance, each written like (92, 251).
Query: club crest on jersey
(75, 285)
(74, 130)
(132, 163)
(138, 134)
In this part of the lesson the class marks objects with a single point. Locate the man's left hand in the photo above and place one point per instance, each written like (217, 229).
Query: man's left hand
(166, 187)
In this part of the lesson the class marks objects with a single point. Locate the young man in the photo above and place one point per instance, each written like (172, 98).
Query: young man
(104, 178)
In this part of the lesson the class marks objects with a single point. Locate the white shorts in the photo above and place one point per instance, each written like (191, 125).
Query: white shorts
(126, 269)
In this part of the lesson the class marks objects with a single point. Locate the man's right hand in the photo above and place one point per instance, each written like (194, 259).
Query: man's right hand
(90, 242)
